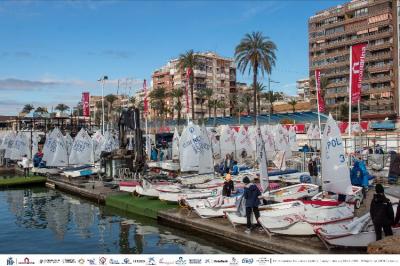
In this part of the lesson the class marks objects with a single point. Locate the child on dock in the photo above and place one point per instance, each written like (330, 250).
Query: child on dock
(251, 195)
(25, 165)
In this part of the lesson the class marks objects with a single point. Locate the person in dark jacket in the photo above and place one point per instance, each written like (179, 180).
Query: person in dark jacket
(312, 169)
(397, 218)
(251, 194)
(228, 186)
(381, 213)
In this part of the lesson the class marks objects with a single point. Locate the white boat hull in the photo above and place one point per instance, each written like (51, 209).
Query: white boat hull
(293, 192)
(130, 189)
(150, 192)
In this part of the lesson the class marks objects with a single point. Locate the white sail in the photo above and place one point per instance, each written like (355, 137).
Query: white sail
(8, 144)
(98, 141)
(49, 147)
(35, 144)
(252, 133)
(227, 141)
(288, 149)
(292, 139)
(58, 151)
(262, 161)
(21, 147)
(335, 171)
(68, 142)
(109, 142)
(82, 149)
(310, 131)
(206, 162)
(175, 145)
(189, 148)
(214, 143)
(269, 141)
(243, 144)
(130, 144)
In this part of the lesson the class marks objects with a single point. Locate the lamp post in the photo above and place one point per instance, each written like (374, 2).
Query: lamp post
(269, 89)
(102, 79)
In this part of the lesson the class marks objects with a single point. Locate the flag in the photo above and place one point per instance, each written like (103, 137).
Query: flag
(145, 100)
(188, 73)
(357, 70)
(320, 100)
(85, 103)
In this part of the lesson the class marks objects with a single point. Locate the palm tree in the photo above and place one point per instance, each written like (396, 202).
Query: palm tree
(259, 88)
(62, 107)
(201, 95)
(246, 99)
(27, 108)
(214, 103)
(157, 100)
(293, 103)
(132, 101)
(223, 106)
(41, 110)
(233, 101)
(177, 94)
(272, 97)
(344, 111)
(110, 99)
(187, 62)
(208, 93)
(256, 53)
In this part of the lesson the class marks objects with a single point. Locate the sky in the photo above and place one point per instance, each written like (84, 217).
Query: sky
(52, 51)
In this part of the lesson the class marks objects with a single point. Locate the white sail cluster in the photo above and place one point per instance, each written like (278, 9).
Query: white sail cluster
(58, 150)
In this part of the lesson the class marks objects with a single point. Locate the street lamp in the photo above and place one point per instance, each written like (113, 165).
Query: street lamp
(102, 80)
(269, 89)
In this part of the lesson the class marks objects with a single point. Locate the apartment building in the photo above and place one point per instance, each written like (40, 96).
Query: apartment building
(212, 71)
(331, 34)
(303, 89)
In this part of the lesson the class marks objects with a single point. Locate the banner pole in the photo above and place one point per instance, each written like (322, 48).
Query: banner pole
(350, 77)
(317, 80)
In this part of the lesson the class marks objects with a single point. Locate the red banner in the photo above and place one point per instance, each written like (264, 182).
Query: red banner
(85, 104)
(357, 70)
(145, 100)
(321, 103)
(299, 128)
(188, 73)
(364, 125)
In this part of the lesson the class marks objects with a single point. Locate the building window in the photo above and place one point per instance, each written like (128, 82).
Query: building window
(361, 12)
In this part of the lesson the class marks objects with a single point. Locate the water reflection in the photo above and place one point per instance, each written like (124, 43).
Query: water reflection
(48, 221)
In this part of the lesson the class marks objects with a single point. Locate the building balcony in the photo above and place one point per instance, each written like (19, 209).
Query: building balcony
(378, 69)
(379, 46)
(385, 78)
(376, 90)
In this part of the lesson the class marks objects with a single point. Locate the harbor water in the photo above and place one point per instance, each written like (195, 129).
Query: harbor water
(41, 220)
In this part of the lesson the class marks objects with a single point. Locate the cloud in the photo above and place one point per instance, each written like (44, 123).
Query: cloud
(16, 54)
(115, 54)
(27, 85)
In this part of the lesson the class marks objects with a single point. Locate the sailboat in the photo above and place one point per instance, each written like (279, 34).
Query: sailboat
(336, 179)
(358, 232)
(243, 144)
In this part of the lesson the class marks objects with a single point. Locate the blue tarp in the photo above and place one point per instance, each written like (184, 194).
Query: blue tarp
(359, 174)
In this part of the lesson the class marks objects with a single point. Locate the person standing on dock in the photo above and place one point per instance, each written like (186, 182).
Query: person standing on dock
(251, 195)
(25, 165)
(381, 213)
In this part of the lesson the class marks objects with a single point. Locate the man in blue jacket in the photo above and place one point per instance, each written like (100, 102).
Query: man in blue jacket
(251, 194)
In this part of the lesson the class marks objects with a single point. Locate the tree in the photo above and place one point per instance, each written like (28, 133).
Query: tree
(41, 110)
(208, 93)
(27, 108)
(187, 62)
(62, 107)
(222, 105)
(177, 94)
(214, 103)
(132, 101)
(233, 102)
(110, 99)
(246, 99)
(157, 100)
(272, 97)
(259, 88)
(293, 103)
(257, 53)
(202, 97)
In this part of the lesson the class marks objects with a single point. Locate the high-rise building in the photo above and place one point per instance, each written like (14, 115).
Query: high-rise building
(303, 89)
(331, 34)
(212, 71)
